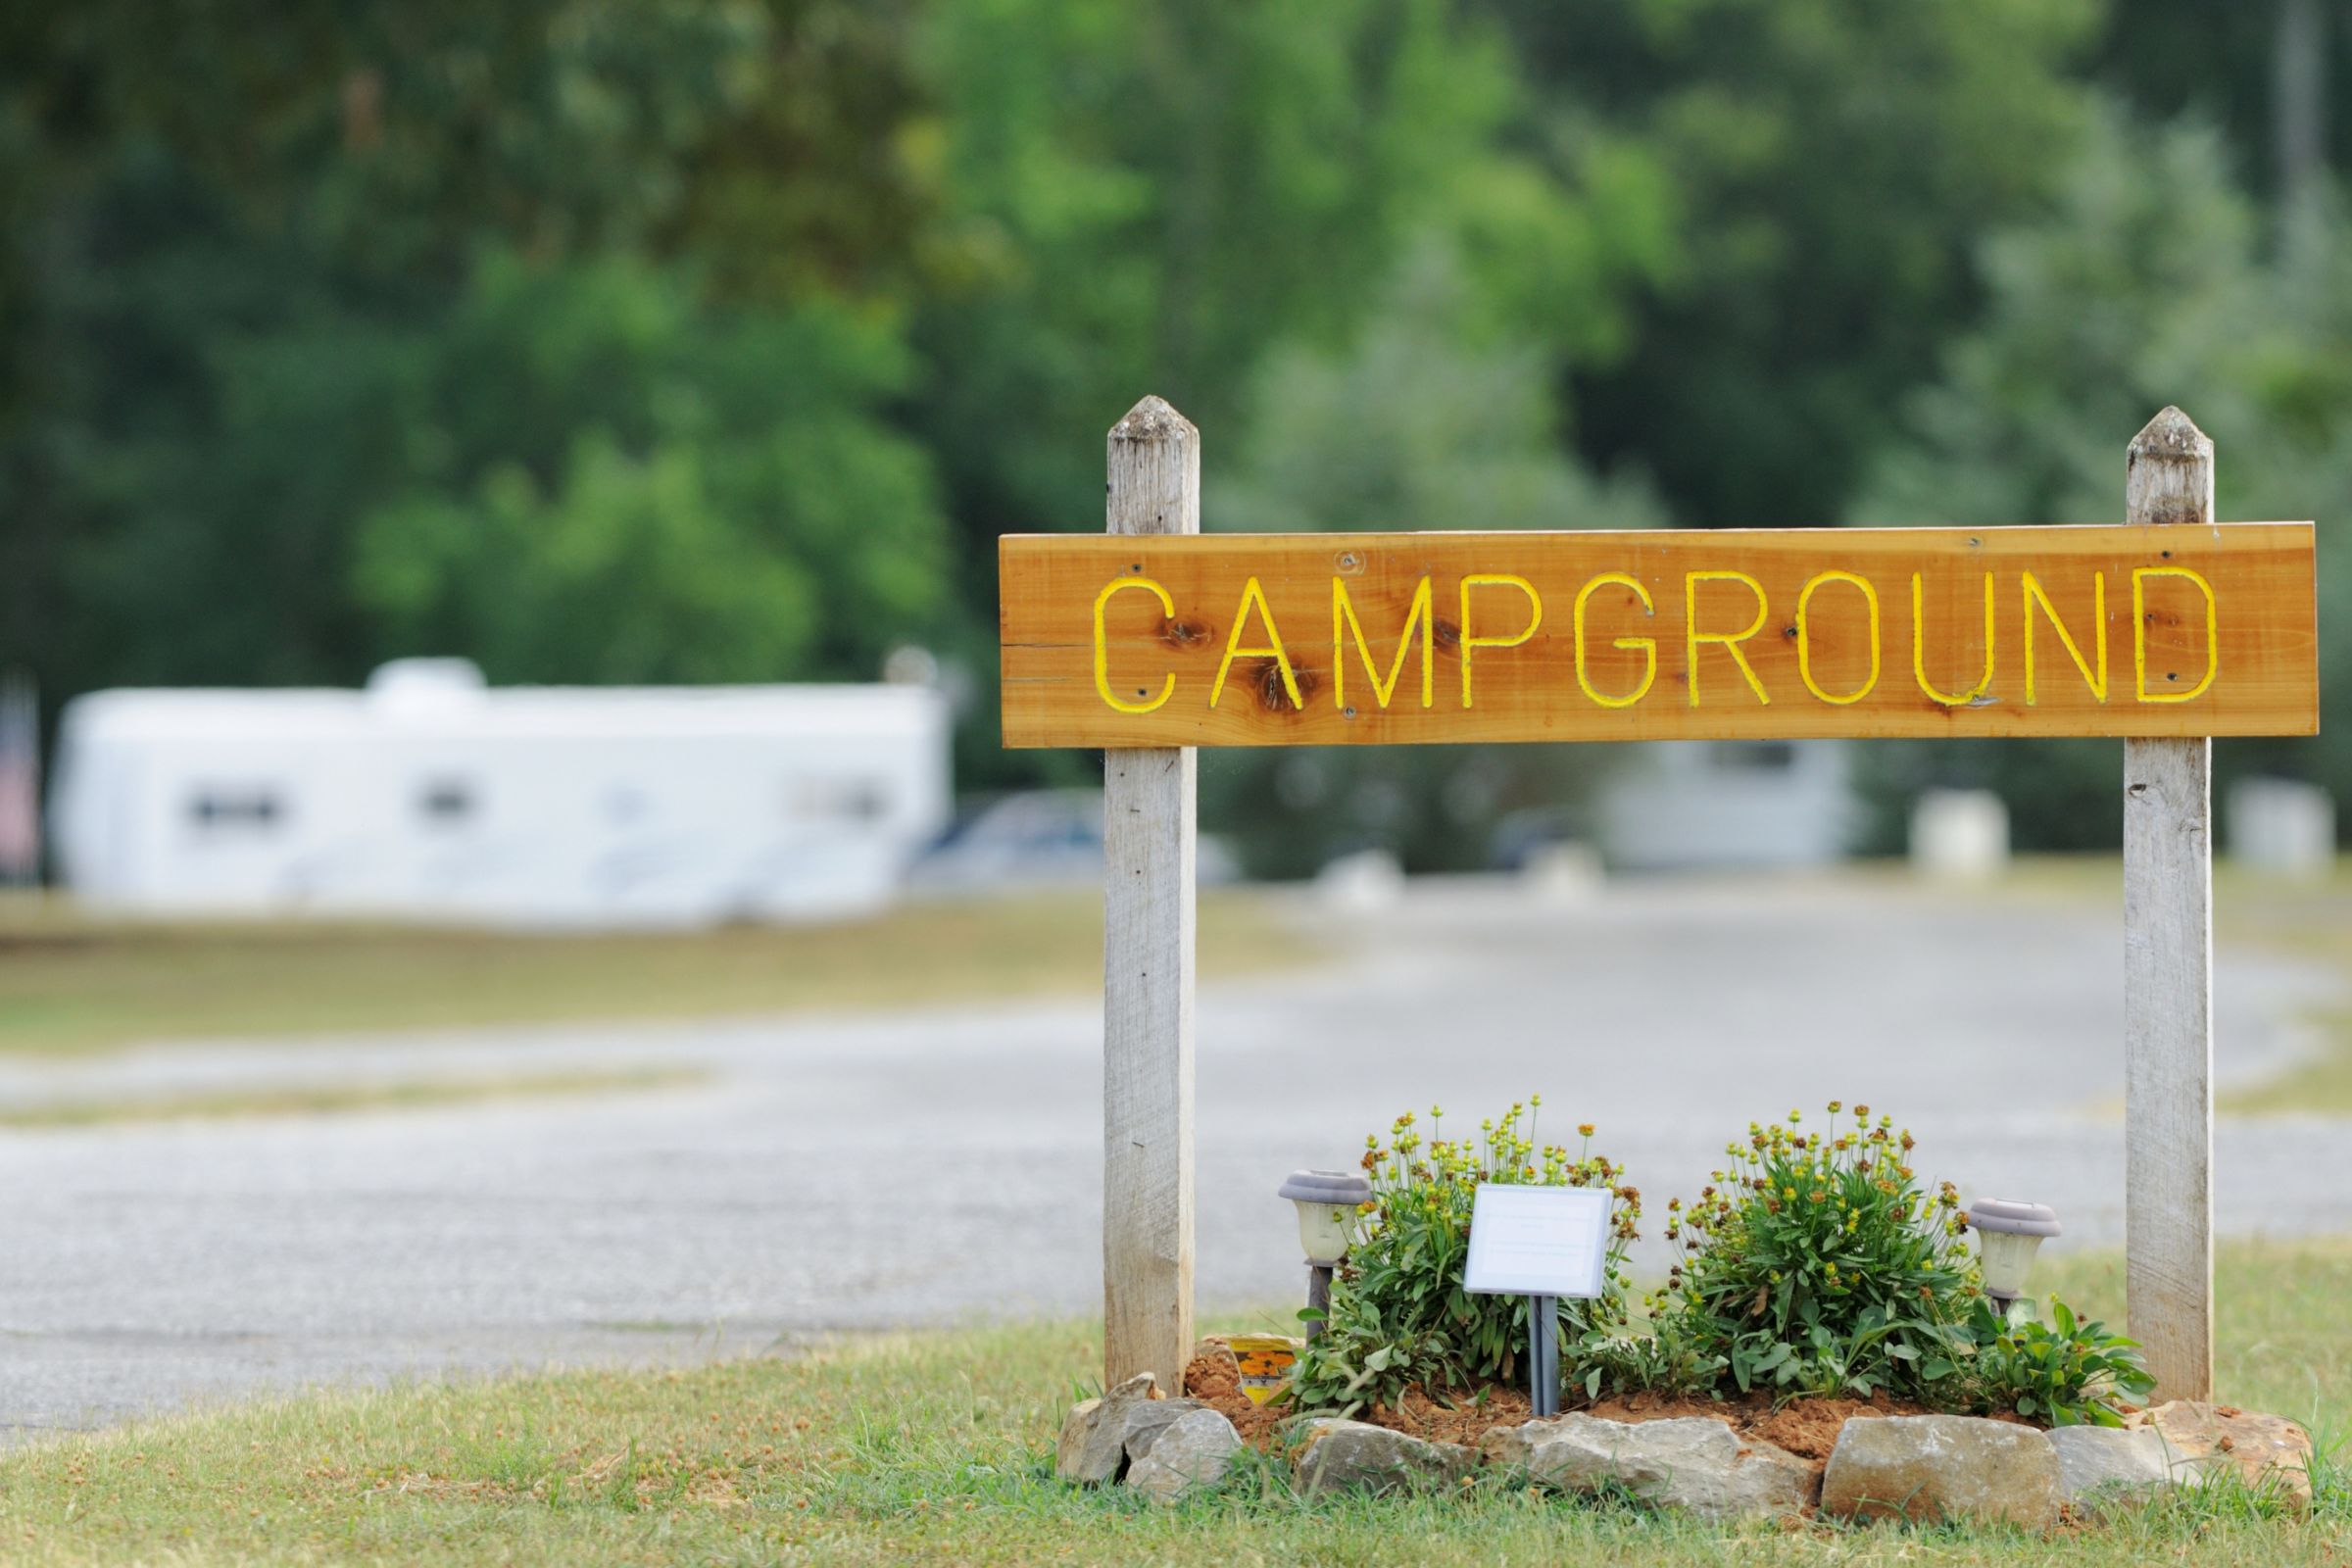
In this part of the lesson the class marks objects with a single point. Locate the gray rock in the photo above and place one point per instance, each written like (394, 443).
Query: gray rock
(2270, 1453)
(1098, 1437)
(1928, 1467)
(1694, 1463)
(1146, 1419)
(1187, 1453)
(1355, 1456)
(2103, 1468)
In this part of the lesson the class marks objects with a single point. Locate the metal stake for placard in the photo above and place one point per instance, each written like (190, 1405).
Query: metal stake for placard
(1543, 1353)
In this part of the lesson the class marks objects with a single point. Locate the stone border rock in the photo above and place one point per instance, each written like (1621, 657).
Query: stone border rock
(1964, 1467)
(1916, 1467)
(1166, 1448)
(1925, 1468)
(2269, 1452)
(1340, 1455)
(1694, 1463)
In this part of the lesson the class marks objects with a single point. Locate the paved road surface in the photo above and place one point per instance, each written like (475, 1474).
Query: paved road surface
(937, 1165)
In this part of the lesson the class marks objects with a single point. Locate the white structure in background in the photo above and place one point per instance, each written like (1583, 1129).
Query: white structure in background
(1363, 881)
(1959, 835)
(2283, 827)
(1563, 872)
(429, 796)
(1696, 805)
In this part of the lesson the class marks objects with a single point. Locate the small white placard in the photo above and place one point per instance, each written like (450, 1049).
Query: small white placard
(1537, 1241)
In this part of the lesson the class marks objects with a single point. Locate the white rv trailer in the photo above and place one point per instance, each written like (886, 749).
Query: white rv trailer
(429, 796)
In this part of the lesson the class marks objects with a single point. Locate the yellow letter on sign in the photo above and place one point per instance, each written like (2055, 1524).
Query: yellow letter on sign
(2095, 680)
(1496, 579)
(1804, 635)
(2139, 632)
(1648, 645)
(1919, 647)
(1342, 621)
(1167, 607)
(1252, 594)
(1731, 640)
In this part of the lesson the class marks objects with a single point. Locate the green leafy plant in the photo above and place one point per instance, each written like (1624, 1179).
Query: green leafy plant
(1398, 1314)
(1815, 1263)
(1613, 1361)
(2069, 1373)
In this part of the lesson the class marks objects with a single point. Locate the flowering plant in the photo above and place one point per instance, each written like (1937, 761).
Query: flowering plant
(1399, 1313)
(1815, 1262)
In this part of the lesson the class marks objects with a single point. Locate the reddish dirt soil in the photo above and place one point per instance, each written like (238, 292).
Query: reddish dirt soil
(1214, 1380)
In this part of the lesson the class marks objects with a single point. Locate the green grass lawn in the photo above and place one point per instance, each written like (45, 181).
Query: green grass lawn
(937, 1449)
(320, 1099)
(71, 983)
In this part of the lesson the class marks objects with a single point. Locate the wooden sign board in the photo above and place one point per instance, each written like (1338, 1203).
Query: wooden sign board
(1373, 639)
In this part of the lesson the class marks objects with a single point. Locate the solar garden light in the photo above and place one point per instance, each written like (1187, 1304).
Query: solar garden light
(1327, 1201)
(2008, 1235)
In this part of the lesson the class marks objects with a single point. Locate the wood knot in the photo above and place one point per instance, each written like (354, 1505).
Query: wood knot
(1272, 694)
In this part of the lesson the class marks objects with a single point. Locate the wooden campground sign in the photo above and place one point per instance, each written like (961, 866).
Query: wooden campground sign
(1153, 640)
(1373, 639)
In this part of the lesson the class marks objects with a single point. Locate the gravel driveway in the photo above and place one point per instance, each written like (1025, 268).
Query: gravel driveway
(937, 1165)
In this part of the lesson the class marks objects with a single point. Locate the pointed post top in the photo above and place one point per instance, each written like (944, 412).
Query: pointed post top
(2171, 434)
(1153, 473)
(2167, 472)
(1153, 419)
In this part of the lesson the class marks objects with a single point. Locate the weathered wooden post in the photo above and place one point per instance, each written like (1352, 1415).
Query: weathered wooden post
(2168, 980)
(1148, 843)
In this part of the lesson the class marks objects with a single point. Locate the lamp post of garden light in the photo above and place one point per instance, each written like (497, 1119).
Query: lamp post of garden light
(1327, 1201)
(2008, 1235)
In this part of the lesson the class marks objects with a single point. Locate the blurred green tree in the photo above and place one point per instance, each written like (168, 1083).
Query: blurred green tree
(1831, 164)
(669, 340)
(1142, 199)
(612, 484)
(2154, 281)
(1428, 418)
(2267, 73)
(332, 331)
(1150, 198)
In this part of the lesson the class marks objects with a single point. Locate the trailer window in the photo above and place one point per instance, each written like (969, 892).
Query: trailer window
(445, 802)
(217, 809)
(858, 800)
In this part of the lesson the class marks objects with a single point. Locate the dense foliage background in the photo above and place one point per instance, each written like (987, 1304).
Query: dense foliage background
(718, 339)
